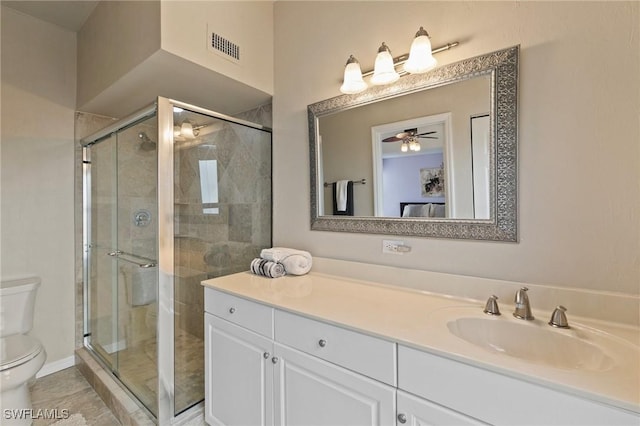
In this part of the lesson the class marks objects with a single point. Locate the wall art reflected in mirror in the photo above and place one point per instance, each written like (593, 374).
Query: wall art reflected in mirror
(433, 155)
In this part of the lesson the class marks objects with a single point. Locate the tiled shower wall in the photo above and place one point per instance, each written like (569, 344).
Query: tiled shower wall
(212, 245)
(206, 246)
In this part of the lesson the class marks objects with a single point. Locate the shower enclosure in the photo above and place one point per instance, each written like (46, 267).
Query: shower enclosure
(173, 195)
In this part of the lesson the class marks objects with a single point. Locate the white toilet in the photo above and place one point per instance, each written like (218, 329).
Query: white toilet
(21, 356)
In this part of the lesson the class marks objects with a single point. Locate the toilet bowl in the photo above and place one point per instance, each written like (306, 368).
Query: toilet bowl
(21, 356)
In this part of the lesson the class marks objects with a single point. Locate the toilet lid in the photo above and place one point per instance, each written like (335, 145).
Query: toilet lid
(17, 349)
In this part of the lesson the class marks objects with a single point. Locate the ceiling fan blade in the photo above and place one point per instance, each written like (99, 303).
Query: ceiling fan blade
(392, 139)
(427, 133)
(428, 137)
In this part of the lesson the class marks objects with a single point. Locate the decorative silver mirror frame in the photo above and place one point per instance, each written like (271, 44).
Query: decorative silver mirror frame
(503, 67)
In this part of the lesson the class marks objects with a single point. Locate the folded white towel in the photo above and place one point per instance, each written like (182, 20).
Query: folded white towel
(296, 262)
(341, 195)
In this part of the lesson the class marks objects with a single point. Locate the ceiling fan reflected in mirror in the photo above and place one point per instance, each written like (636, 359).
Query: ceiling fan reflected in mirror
(409, 139)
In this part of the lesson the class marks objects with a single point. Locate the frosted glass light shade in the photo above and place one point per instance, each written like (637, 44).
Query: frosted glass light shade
(352, 82)
(384, 71)
(420, 57)
(186, 130)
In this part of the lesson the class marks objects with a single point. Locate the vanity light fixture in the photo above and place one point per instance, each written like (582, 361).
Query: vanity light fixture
(420, 57)
(353, 82)
(419, 60)
(384, 71)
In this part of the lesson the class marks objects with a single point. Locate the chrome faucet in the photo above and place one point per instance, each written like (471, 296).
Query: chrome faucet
(523, 307)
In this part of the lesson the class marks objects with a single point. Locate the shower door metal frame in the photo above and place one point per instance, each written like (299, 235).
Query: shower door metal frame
(166, 317)
(163, 108)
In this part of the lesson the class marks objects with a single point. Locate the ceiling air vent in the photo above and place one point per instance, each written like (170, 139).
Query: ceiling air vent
(224, 47)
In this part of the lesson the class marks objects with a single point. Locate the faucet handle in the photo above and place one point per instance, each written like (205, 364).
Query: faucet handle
(491, 308)
(521, 295)
(559, 318)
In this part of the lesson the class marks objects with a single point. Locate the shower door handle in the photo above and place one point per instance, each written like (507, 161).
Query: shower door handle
(119, 254)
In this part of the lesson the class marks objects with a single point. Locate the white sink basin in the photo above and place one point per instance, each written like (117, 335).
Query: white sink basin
(532, 341)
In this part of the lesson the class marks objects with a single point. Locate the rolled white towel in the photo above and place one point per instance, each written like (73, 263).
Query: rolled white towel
(296, 262)
(267, 268)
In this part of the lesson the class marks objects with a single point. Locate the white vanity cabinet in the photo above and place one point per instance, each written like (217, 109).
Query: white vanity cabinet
(251, 378)
(310, 391)
(238, 361)
(414, 411)
(495, 398)
(268, 366)
(239, 375)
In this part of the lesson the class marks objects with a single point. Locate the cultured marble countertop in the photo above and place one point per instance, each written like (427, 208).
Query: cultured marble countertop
(419, 319)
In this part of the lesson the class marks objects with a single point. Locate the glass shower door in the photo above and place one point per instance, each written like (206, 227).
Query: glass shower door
(123, 271)
(137, 359)
(222, 220)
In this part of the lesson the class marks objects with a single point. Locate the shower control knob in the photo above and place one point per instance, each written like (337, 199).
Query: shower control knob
(232, 310)
(402, 418)
(266, 355)
(274, 360)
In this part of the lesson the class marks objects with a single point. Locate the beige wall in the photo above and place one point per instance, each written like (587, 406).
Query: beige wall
(579, 156)
(38, 101)
(249, 24)
(118, 36)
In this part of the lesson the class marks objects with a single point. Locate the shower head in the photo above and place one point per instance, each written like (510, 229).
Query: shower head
(146, 144)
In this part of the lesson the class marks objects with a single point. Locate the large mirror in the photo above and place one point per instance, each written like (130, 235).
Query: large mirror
(431, 155)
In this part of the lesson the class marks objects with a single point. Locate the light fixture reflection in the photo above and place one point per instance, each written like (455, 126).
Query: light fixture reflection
(186, 130)
(352, 82)
(384, 71)
(420, 57)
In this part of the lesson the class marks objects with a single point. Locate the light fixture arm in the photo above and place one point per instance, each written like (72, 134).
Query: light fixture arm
(400, 60)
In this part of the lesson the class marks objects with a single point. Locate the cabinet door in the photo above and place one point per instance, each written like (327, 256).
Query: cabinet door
(414, 411)
(313, 392)
(238, 375)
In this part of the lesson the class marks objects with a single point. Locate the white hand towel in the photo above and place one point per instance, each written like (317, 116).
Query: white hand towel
(341, 195)
(296, 262)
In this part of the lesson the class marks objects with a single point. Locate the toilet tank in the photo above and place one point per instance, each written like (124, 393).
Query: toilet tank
(17, 302)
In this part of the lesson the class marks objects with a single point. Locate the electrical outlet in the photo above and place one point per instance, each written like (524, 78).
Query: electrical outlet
(394, 247)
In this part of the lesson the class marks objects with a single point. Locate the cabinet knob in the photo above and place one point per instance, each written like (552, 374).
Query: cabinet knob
(402, 418)
(232, 310)
(274, 360)
(322, 343)
(266, 355)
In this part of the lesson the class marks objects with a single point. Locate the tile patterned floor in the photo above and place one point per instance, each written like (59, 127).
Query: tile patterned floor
(68, 390)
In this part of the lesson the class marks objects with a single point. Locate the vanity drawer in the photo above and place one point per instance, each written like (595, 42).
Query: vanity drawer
(371, 356)
(245, 313)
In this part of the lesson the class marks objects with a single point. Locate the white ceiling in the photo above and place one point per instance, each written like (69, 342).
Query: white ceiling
(66, 14)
